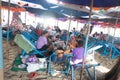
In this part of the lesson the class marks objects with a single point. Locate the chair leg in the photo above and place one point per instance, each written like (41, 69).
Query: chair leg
(95, 78)
(47, 71)
(72, 71)
(50, 68)
(23, 52)
(89, 74)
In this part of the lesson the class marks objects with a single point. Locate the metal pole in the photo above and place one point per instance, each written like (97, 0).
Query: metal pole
(1, 53)
(8, 20)
(70, 22)
(86, 41)
(77, 25)
(114, 35)
(57, 22)
(68, 30)
(114, 30)
(25, 16)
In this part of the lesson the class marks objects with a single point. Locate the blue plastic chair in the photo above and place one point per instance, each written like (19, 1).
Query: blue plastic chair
(32, 49)
(10, 34)
(30, 36)
(53, 59)
(87, 67)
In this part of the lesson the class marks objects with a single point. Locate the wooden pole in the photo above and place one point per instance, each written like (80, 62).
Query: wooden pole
(86, 41)
(1, 53)
(8, 20)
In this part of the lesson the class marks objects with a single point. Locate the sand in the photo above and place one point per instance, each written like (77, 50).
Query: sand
(10, 52)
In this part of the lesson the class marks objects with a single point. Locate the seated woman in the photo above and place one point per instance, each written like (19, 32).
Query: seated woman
(42, 44)
(72, 42)
(78, 53)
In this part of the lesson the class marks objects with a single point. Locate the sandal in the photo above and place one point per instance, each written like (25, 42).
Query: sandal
(33, 75)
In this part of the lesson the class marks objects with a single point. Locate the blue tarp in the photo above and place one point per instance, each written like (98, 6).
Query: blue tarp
(54, 10)
(63, 10)
(58, 12)
(45, 13)
(97, 3)
(40, 2)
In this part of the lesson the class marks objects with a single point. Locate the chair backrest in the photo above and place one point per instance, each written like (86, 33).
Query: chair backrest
(30, 35)
(24, 43)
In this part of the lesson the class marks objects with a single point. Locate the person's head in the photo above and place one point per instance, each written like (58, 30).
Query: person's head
(52, 38)
(79, 37)
(72, 37)
(79, 43)
(101, 32)
(74, 29)
(45, 33)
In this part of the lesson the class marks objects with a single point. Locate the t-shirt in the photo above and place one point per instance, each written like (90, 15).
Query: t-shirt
(42, 40)
(78, 53)
(39, 31)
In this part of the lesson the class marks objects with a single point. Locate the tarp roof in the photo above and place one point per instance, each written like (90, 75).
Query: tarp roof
(13, 7)
(97, 3)
(55, 9)
(45, 13)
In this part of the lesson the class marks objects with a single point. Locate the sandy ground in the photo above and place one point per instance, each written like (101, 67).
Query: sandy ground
(10, 53)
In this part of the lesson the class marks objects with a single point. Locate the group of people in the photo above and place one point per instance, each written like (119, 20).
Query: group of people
(100, 36)
(74, 46)
(57, 42)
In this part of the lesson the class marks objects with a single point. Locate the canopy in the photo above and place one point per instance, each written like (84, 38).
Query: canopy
(13, 7)
(54, 9)
(97, 3)
(40, 2)
(114, 14)
(67, 11)
(46, 13)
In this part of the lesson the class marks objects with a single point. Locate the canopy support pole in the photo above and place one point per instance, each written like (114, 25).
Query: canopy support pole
(77, 25)
(8, 20)
(25, 17)
(57, 22)
(114, 35)
(68, 30)
(86, 41)
(114, 30)
(1, 53)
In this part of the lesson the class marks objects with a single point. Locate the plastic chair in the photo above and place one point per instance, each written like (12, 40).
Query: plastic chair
(87, 67)
(10, 34)
(30, 36)
(65, 60)
(27, 46)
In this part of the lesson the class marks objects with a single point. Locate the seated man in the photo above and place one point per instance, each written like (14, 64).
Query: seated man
(42, 44)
